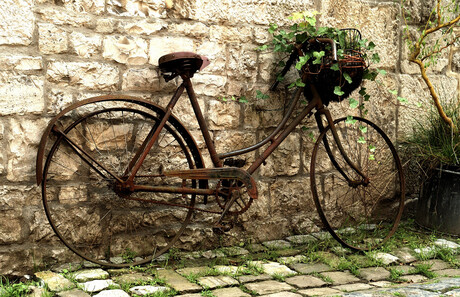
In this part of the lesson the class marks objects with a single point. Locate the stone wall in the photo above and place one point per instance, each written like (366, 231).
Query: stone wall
(56, 52)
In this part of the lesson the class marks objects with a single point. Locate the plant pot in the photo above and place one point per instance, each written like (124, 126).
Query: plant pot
(438, 207)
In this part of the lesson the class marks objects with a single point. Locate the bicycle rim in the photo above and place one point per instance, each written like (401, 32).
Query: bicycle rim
(87, 213)
(361, 214)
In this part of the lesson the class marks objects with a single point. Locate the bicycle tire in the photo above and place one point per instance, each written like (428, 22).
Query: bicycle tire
(83, 207)
(362, 215)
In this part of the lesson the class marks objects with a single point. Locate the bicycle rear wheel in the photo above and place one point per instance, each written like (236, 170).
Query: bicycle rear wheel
(82, 202)
(360, 212)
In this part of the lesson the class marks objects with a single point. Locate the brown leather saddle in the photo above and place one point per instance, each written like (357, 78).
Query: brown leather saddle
(178, 63)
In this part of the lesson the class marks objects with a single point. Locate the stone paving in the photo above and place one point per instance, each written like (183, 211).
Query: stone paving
(289, 275)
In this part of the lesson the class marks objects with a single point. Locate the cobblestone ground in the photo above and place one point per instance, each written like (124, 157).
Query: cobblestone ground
(283, 268)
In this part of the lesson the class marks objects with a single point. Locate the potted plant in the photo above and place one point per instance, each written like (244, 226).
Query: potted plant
(436, 139)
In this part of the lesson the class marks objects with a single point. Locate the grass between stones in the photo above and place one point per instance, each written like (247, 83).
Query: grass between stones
(326, 251)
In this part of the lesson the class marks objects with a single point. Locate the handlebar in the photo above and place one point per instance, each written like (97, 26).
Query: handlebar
(295, 55)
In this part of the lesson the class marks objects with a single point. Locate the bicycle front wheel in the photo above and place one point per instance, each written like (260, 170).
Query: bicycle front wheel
(84, 204)
(360, 211)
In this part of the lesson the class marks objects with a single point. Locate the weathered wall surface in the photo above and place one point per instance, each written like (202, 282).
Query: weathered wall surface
(56, 52)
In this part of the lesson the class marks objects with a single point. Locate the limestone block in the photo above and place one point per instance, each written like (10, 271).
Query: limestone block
(11, 227)
(105, 25)
(143, 8)
(85, 45)
(126, 50)
(230, 34)
(142, 27)
(52, 40)
(85, 6)
(54, 281)
(209, 85)
(58, 100)
(362, 16)
(227, 141)
(22, 148)
(382, 106)
(19, 196)
(58, 16)
(242, 62)
(20, 62)
(261, 35)
(267, 66)
(285, 160)
(197, 29)
(223, 115)
(21, 94)
(91, 75)
(40, 229)
(143, 79)
(240, 11)
(17, 22)
(418, 10)
(215, 52)
(162, 45)
(291, 198)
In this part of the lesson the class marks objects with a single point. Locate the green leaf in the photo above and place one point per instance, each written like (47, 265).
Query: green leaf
(347, 78)
(353, 103)
(381, 71)
(372, 148)
(371, 157)
(318, 56)
(302, 61)
(402, 100)
(338, 91)
(243, 99)
(394, 92)
(260, 95)
(350, 120)
(370, 75)
(335, 67)
(262, 48)
(299, 83)
(375, 58)
(272, 28)
(370, 46)
(361, 140)
(363, 129)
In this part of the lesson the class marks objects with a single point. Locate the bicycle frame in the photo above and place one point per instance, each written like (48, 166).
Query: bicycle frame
(276, 137)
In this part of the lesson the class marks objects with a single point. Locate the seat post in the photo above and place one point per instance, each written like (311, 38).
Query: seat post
(201, 122)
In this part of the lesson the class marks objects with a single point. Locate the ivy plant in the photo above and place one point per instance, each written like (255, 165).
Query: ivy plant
(304, 28)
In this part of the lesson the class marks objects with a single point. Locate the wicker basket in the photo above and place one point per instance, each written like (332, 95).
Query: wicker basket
(325, 79)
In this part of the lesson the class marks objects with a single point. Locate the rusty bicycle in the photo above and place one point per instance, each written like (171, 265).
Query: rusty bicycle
(122, 176)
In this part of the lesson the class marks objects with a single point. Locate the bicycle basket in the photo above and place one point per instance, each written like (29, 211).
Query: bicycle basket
(351, 62)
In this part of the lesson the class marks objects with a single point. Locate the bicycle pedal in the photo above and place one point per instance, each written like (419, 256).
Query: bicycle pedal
(232, 162)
